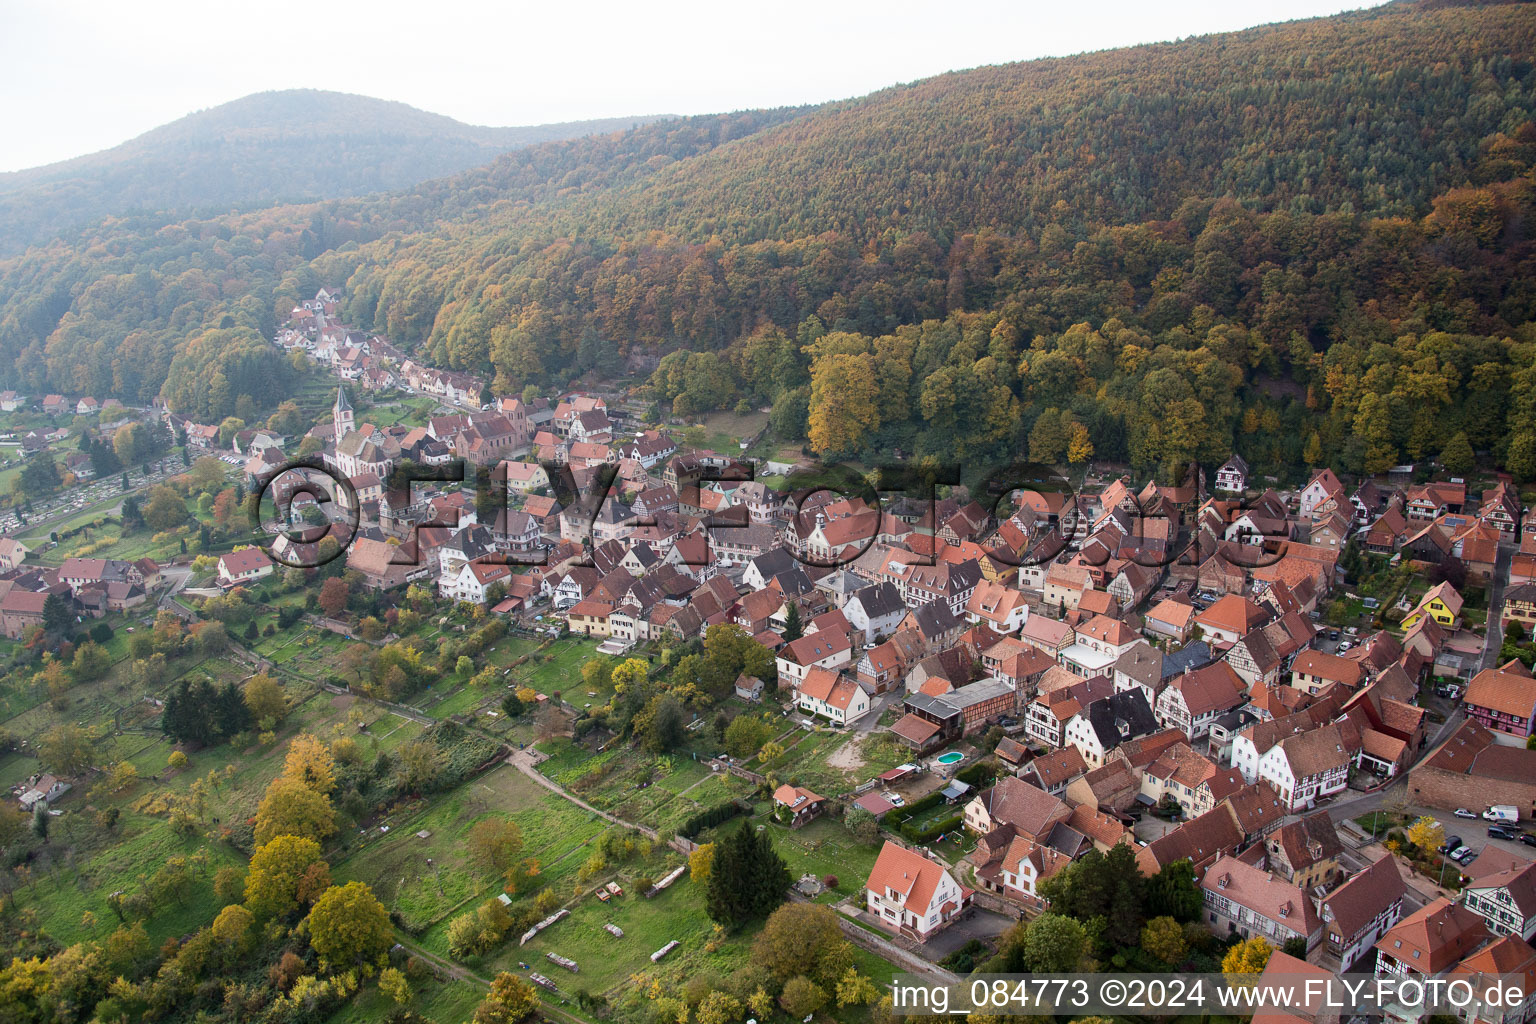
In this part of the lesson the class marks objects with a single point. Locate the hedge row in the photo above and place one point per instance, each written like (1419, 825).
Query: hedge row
(709, 817)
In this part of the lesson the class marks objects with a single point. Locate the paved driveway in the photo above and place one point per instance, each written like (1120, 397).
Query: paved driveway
(981, 924)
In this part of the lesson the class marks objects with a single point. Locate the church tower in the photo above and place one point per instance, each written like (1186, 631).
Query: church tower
(341, 415)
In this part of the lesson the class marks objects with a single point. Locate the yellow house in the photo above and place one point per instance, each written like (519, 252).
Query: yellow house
(525, 477)
(1441, 603)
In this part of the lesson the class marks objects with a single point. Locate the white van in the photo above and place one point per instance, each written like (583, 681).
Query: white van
(1502, 812)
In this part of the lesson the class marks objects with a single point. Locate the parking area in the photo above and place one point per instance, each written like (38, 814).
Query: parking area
(1474, 832)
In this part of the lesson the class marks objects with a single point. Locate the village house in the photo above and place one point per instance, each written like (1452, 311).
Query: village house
(1503, 699)
(1015, 802)
(244, 566)
(45, 789)
(1192, 701)
(1314, 671)
(472, 581)
(1489, 971)
(1172, 619)
(1361, 910)
(1193, 781)
(1442, 603)
(1305, 852)
(12, 553)
(1229, 619)
(1104, 724)
(1232, 476)
(1098, 644)
(1047, 715)
(827, 649)
(1308, 766)
(998, 606)
(1506, 901)
(1519, 603)
(831, 695)
(1251, 902)
(796, 805)
(1013, 866)
(1430, 941)
(911, 895)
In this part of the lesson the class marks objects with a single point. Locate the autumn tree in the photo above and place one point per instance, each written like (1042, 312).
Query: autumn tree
(1457, 456)
(803, 939)
(1247, 957)
(266, 699)
(349, 926)
(290, 808)
(700, 862)
(232, 928)
(66, 749)
(1054, 944)
(310, 762)
(802, 997)
(166, 509)
(334, 593)
(843, 409)
(494, 843)
(855, 989)
(1426, 833)
(746, 735)
(394, 983)
(1163, 937)
(284, 874)
(510, 1000)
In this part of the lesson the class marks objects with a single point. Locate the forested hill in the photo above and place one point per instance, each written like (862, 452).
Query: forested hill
(1314, 235)
(287, 146)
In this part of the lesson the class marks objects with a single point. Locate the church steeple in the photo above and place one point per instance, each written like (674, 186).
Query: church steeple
(341, 415)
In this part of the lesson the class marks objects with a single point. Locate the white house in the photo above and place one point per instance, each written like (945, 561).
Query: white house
(1361, 910)
(875, 611)
(1233, 475)
(471, 580)
(1192, 701)
(1303, 767)
(998, 606)
(910, 894)
(244, 566)
(832, 695)
(827, 648)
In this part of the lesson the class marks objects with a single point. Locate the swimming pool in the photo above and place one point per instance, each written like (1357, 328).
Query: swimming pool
(951, 757)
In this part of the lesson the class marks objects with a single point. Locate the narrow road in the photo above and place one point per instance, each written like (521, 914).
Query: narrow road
(1493, 632)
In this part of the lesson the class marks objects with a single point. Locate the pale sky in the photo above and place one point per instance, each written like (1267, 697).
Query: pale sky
(77, 76)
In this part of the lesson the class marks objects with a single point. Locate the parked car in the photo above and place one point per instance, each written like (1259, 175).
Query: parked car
(1502, 832)
(1528, 839)
(1451, 842)
(1462, 812)
(1465, 855)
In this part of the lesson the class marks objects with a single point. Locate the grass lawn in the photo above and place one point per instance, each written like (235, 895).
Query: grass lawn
(395, 863)
(823, 847)
(606, 961)
(448, 1002)
(557, 669)
(141, 845)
